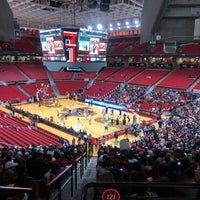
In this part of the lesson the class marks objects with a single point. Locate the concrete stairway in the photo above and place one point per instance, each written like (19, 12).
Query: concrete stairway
(89, 176)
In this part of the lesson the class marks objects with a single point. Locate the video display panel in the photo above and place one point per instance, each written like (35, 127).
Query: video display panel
(52, 45)
(73, 45)
(92, 45)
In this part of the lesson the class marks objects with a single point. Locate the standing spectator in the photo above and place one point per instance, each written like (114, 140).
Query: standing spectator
(128, 118)
(117, 122)
(126, 132)
(124, 121)
(116, 137)
(103, 140)
(134, 119)
(160, 123)
(106, 126)
(90, 119)
(96, 144)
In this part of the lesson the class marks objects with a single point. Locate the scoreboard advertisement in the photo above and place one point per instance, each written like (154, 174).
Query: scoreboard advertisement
(73, 45)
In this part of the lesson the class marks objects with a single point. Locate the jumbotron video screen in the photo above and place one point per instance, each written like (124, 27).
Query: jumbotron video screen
(73, 45)
(92, 45)
(52, 45)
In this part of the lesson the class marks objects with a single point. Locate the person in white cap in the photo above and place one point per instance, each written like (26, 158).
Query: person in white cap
(7, 175)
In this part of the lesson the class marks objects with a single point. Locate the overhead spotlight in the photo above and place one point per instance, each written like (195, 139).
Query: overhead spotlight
(136, 21)
(89, 28)
(91, 3)
(99, 26)
(104, 5)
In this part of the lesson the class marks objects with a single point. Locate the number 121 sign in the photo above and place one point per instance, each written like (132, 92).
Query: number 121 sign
(111, 194)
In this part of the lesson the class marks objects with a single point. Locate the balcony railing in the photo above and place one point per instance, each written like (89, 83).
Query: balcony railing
(138, 190)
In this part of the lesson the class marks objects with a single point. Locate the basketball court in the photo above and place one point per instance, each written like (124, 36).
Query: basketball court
(82, 116)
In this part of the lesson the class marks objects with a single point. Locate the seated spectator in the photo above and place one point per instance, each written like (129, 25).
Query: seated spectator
(54, 168)
(106, 176)
(139, 192)
(23, 180)
(189, 193)
(7, 171)
(8, 177)
(162, 177)
(59, 160)
(36, 166)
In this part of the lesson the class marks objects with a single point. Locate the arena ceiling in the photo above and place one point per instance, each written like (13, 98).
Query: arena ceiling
(44, 14)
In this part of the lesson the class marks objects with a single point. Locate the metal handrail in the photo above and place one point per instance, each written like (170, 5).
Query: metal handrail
(72, 178)
(14, 191)
(56, 183)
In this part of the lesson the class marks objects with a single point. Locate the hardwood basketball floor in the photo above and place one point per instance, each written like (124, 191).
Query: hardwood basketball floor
(95, 128)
